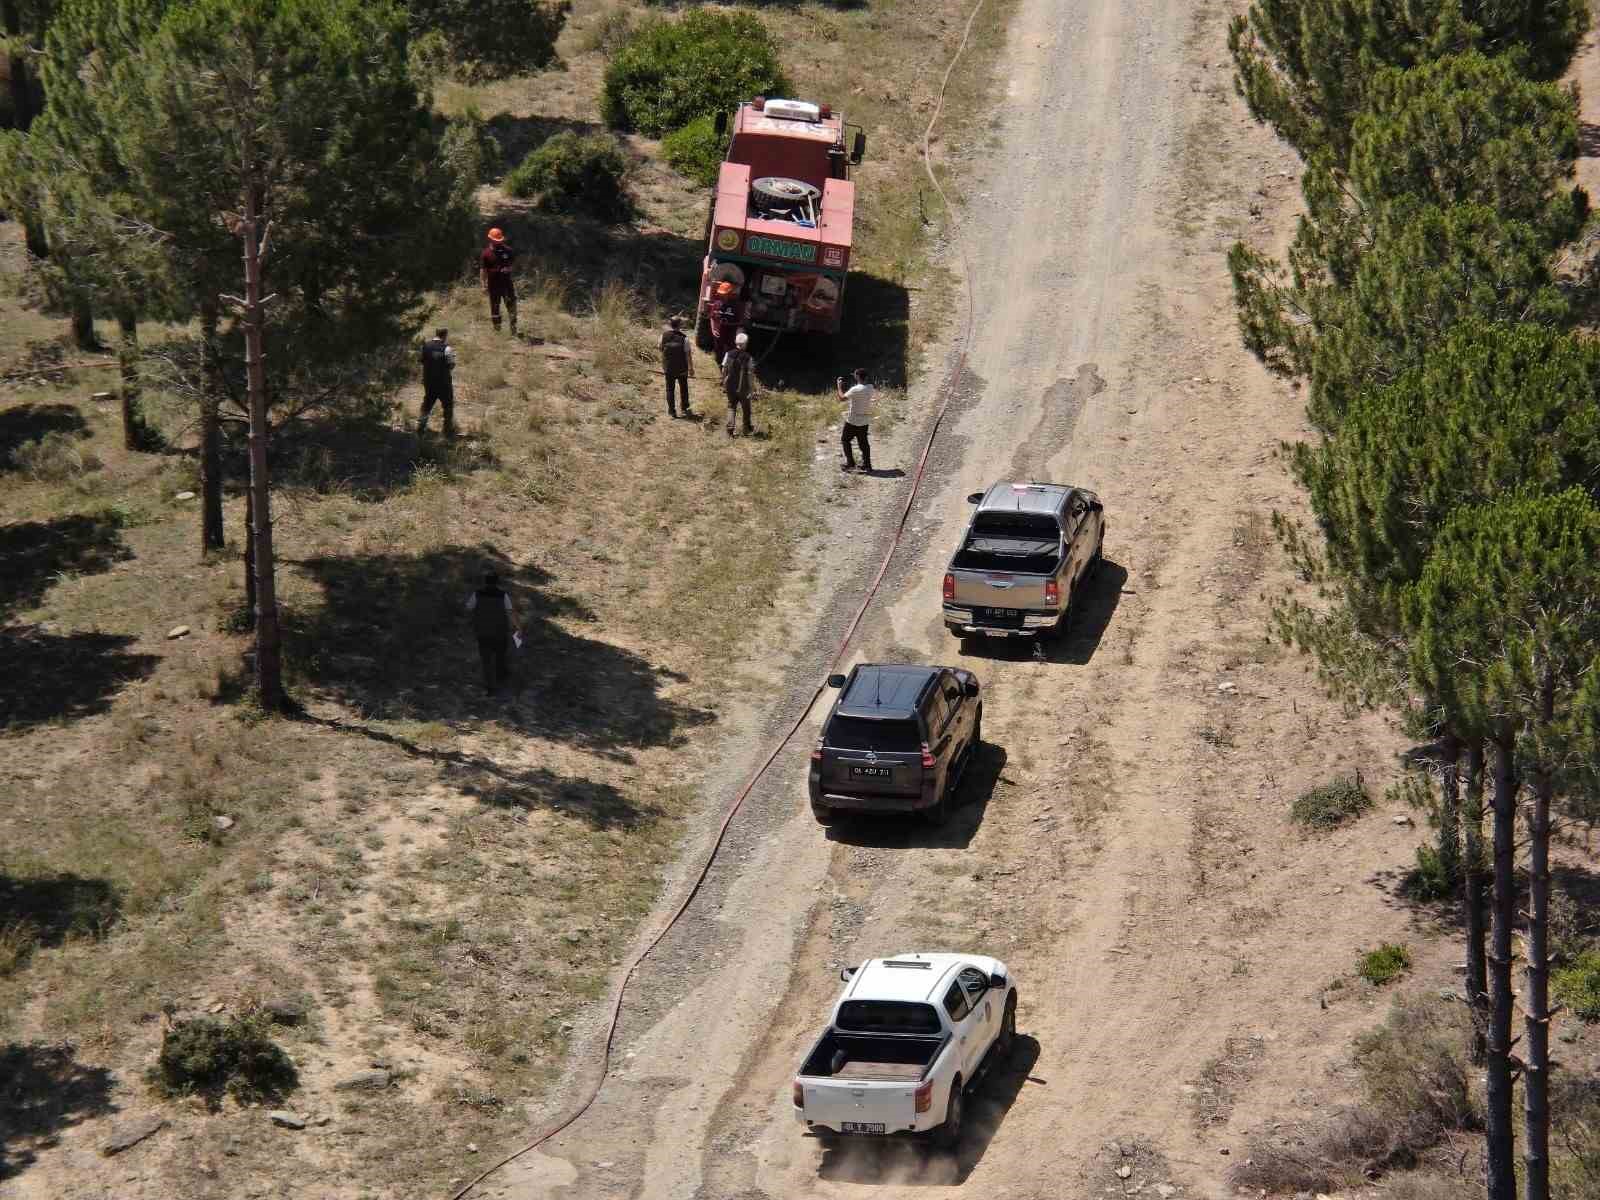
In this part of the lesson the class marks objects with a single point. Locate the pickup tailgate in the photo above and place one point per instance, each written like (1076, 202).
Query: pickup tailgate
(860, 1106)
(998, 589)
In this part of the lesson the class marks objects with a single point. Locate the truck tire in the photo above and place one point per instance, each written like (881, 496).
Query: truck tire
(775, 191)
(824, 816)
(948, 1136)
(1006, 1043)
(702, 331)
(940, 812)
(977, 730)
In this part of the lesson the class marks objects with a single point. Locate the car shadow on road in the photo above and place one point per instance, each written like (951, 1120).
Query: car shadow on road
(912, 831)
(1078, 644)
(913, 1162)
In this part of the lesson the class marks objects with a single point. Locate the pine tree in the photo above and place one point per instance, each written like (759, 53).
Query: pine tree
(1507, 634)
(288, 133)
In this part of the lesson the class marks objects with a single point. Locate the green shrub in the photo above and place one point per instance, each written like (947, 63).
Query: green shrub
(1331, 804)
(1385, 964)
(207, 1058)
(53, 458)
(696, 150)
(1578, 986)
(575, 174)
(1429, 879)
(670, 72)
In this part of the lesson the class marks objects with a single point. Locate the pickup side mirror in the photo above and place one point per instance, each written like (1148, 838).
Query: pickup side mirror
(969, 687)
(836, 681)
(859, 149)
(975, 497)
(847, 973)
(721, 124)
(997, 981)
(1096, 506)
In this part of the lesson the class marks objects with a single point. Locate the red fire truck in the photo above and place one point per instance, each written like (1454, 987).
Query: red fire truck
(778, 227)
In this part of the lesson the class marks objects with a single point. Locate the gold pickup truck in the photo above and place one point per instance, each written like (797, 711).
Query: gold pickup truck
(1025, 551)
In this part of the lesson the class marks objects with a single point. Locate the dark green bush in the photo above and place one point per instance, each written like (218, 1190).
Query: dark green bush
(1331, 804)
(576, 174)
(207, 1058)
(696, 150)
(1428, 880)
(670, 72)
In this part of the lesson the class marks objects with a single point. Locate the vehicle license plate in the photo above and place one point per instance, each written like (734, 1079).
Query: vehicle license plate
(1002, 612)
(872, 772)
(862, 1126)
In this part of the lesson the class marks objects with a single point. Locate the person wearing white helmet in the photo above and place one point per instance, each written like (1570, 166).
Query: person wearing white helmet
(739, 380)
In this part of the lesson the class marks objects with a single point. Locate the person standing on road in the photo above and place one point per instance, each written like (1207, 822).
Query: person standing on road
(495, 265)
(739, 381)
(438, 365)
(676, 364)
(491, 612)
(859, 402)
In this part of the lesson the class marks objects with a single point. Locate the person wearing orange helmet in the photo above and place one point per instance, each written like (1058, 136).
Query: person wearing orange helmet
(724, 313)
(495, 270)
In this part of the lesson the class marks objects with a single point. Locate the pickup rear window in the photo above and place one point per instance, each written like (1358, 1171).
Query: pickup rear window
(887, 1016)
(862, 733)
(1024, 543)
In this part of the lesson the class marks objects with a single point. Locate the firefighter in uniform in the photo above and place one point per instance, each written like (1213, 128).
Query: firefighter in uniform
(495, 270)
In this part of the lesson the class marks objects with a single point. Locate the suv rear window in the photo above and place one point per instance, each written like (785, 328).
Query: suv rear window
(887, 1016)
(1018, 542)
(861, 733)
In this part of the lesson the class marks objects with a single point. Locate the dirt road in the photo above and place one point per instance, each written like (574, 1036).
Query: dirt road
(1124, 848)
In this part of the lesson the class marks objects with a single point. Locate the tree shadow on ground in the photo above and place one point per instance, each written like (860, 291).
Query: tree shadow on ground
(33, 554)
(56, 907)
(392, 641)
(43, 1090)
(26, 423)
(914, 1162)
(908, 831)
(52, 677)
(1588, 139)
(504, 786)
(366, 461)
(1092, 613)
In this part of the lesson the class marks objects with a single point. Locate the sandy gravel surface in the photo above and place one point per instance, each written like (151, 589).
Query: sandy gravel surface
(1124, 847)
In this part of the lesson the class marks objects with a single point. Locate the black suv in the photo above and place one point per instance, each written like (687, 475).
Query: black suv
(898, 739)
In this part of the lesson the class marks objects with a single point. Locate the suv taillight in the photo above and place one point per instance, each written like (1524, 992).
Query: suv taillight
(816, 753)
(924, 1095)
(927, 757)
(800, 1095)
(949, 586)
(1052, 592)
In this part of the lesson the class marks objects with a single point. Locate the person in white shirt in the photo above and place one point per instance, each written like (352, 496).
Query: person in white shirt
(858, 402)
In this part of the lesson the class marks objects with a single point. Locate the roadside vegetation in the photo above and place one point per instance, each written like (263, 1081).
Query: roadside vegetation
(1435, 305)
(444, 882)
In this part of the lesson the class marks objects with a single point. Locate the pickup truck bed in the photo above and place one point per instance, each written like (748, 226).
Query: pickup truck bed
(902, 1058)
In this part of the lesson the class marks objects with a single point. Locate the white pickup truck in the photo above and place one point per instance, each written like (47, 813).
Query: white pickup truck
(909, 1037)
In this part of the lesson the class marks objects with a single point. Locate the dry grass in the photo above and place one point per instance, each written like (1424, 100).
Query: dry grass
(448, 880)
(1416, 1094)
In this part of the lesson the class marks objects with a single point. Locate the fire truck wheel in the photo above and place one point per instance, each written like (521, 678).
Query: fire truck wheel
(702, 333)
